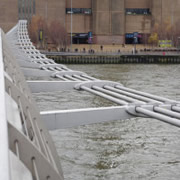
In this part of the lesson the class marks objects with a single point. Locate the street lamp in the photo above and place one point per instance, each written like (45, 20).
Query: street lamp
(71, 26)
(46, 9)
(172, 21)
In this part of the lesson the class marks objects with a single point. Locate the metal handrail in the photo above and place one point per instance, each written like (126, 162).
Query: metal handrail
(4, 149)
(25, 142)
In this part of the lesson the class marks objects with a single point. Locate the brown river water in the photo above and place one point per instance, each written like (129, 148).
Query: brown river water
(132, 149)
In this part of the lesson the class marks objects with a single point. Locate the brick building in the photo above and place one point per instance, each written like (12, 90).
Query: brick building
(110, 21)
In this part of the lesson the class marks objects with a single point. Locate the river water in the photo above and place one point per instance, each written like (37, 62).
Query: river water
(138, 148)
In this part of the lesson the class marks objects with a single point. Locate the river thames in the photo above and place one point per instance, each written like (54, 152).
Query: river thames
(138, 148)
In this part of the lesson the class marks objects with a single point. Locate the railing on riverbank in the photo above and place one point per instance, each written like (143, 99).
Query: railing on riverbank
(114, 59)
(147, 57)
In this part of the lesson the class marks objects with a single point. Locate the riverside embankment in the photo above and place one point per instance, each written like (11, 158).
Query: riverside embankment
(114, 58)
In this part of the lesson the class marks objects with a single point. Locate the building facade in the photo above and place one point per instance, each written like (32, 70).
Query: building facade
(100, 21)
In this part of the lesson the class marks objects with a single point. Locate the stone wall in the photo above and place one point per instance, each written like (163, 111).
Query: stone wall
(51, 10)
(108, 20)
(137, 3)
(111, 39)
(8, 14)
(138, 23)
(78, 3)
(108, 17)
(81, 23)
(166, 10)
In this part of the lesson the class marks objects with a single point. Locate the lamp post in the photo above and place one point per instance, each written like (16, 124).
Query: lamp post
(161, 16)
(172, 22)
(71, 26)
(46, 9)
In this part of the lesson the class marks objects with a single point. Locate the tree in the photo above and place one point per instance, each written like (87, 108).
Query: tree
(37, 23)
(144, 23)
(176, 33)
(164, 30)
(54, 33)
(167, 29)
(58, 35)
(153, 39)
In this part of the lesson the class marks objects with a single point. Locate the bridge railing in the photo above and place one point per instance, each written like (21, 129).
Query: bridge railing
(4, 151)
(25, 142)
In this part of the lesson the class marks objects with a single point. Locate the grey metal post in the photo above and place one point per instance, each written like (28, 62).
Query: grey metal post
(71, 25)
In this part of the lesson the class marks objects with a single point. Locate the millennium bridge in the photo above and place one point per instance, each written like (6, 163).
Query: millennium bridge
(27, 151)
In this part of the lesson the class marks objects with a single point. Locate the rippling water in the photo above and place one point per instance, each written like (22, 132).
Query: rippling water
(121, 150)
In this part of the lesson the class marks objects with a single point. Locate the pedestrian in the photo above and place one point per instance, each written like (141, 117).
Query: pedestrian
(101, 47)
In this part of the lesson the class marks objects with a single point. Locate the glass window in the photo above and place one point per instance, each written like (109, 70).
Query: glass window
(130, 11)
(78, 11)
(26, 8)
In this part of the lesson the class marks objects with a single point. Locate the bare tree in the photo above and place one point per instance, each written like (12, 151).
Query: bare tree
(176, 33)
(58, 35)
(162, 31)
(36, 25)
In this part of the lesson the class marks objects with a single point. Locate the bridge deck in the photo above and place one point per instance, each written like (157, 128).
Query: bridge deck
(34, 63)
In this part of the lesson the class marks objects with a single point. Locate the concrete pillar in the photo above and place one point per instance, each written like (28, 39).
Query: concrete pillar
(108, 21)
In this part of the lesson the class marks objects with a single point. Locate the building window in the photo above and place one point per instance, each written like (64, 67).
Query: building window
(130, 11)
(26, 8)
(79, 11)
